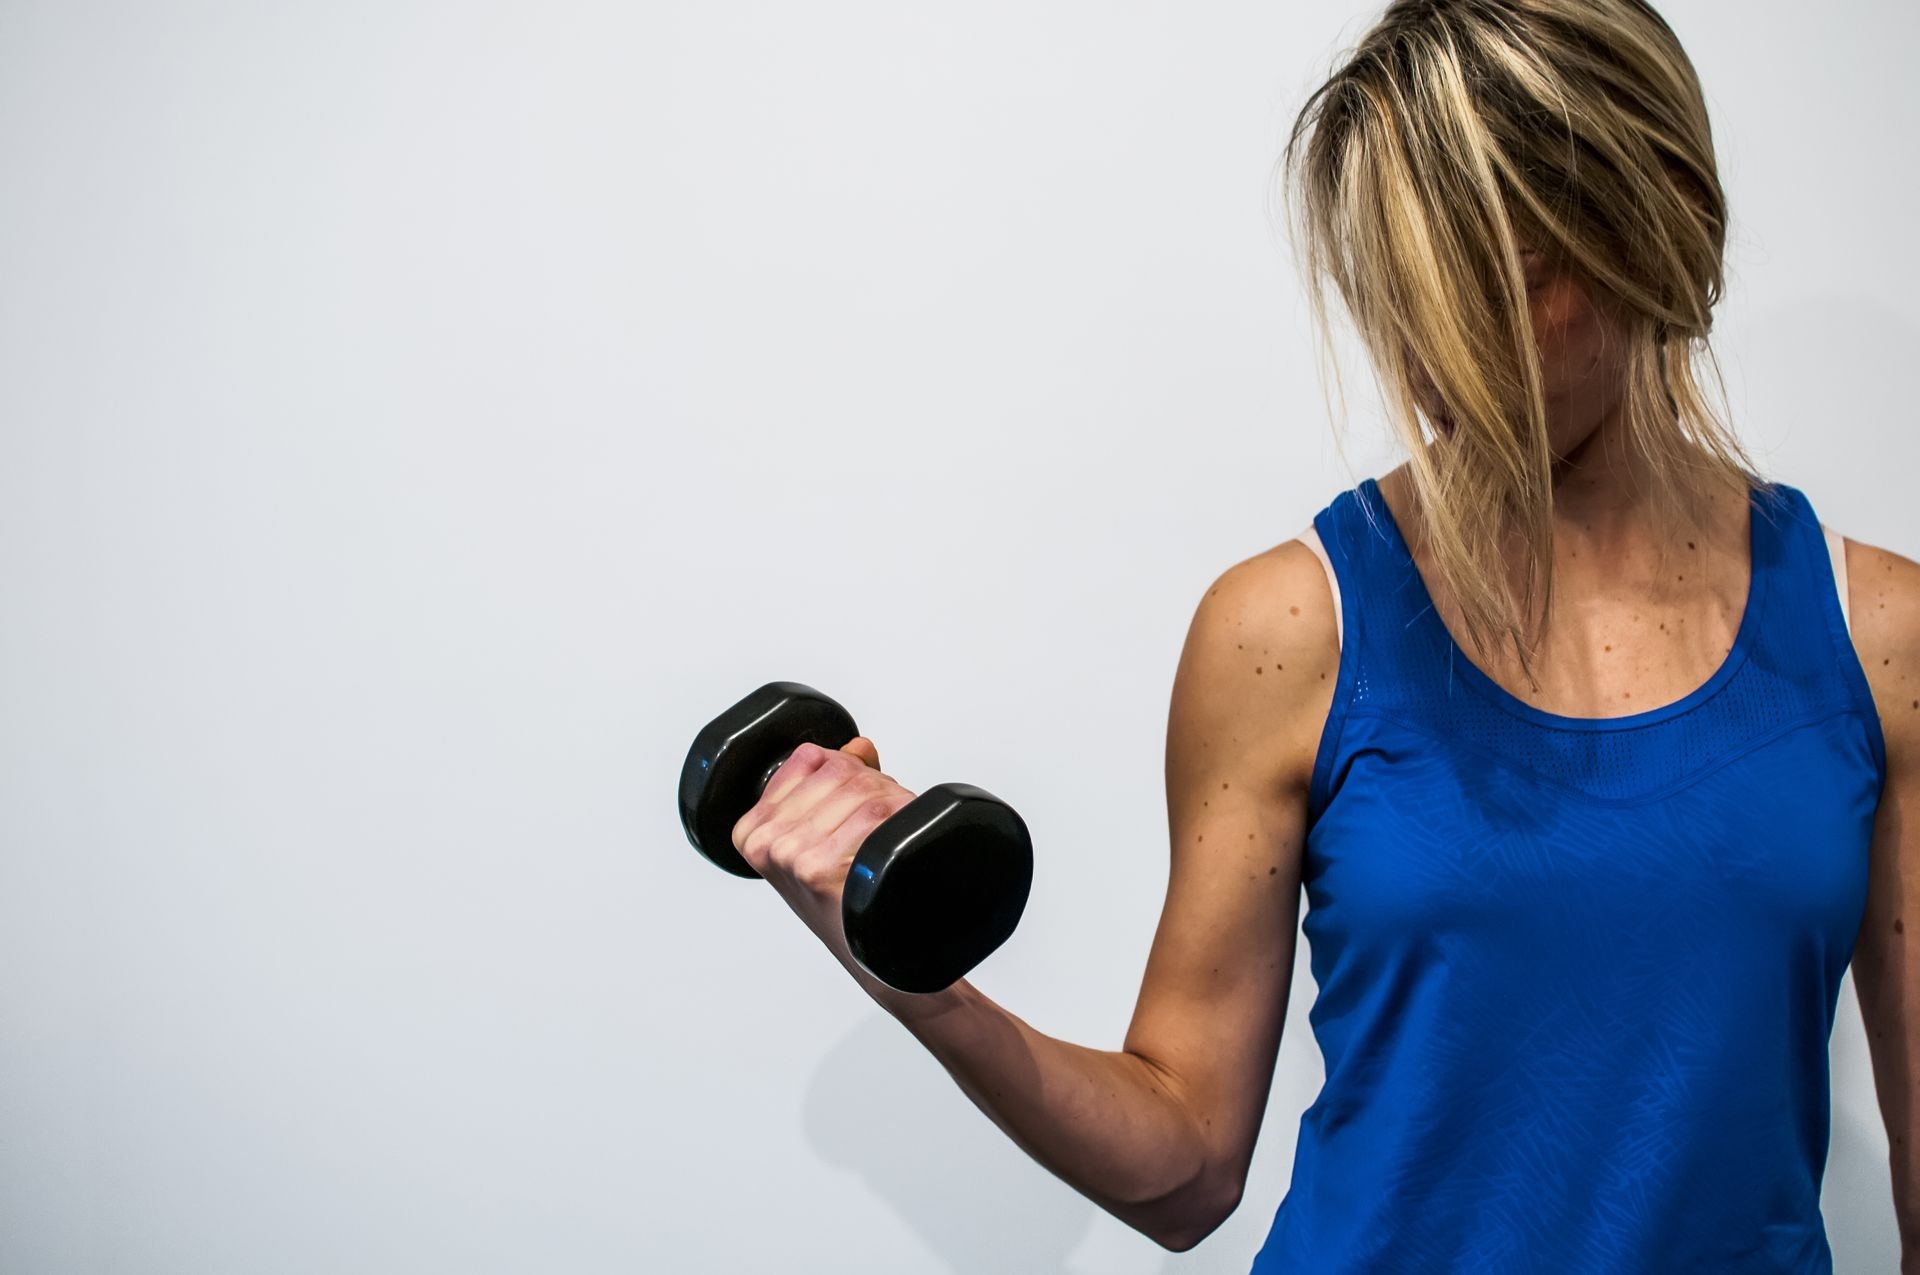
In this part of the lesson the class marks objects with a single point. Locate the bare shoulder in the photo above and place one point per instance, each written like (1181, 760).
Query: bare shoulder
(1250, 699)
(1883, 607)
(1263, 651)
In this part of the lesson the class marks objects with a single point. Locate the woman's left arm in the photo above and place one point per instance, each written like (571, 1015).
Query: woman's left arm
(1884, 606)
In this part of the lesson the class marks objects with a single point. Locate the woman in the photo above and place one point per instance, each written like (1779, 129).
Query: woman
(1580, 900)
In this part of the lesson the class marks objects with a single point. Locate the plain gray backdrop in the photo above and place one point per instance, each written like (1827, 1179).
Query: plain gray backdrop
(417, 420)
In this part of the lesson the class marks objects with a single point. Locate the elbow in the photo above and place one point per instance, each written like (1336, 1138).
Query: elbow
(1202, 1219)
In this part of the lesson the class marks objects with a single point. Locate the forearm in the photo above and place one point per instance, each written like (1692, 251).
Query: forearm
(1108, 1123)
(1882, 982)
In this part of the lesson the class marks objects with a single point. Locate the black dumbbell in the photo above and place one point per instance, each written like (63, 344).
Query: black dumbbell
(932, 890)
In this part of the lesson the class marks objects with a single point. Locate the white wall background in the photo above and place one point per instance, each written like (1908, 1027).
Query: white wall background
(417, 419)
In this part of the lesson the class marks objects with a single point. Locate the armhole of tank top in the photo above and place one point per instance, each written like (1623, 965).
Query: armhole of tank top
(1835, 605)
(1317, 795)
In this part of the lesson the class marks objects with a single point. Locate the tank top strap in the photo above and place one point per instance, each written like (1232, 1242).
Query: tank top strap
(1791, 662)
(1384, 603)
(1389, 617)
(1381, 599)
(1807, 630)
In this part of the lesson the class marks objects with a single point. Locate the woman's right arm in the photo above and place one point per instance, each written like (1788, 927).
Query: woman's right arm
(1160, 1132)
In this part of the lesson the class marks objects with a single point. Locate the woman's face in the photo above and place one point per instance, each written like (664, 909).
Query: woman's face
(1582, 356)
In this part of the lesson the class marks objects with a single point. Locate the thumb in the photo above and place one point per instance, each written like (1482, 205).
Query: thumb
(863, 748)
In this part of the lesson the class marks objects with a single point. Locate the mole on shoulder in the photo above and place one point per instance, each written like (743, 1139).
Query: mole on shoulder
(1899, 926)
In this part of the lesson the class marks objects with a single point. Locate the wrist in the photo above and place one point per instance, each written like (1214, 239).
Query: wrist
(918, 1009)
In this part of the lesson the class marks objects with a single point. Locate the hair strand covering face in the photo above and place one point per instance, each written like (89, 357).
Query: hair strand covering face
(1455, 133)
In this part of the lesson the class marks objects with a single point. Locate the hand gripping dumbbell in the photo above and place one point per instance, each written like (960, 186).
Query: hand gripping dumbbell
(931, 891)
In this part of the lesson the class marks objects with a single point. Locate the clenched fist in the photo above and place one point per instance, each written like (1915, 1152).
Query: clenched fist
(807, 826)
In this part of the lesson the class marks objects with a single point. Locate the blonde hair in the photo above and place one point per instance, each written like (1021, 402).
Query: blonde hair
(1454, 132)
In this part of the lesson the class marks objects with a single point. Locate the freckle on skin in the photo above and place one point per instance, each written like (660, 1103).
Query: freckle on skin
(1258, 669)
(1899, 926)
(1272, 871)
(1293, 610)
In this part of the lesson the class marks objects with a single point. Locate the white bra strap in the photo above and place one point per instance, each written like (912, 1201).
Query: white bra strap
(1837, 552)
(1311, 538)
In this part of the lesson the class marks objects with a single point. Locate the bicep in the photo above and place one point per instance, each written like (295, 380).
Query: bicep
(1250, 696)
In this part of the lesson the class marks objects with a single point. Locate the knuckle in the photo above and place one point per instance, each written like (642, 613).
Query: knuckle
(760, 837)
(754, 852)
(784, 848)
(819, 873)
(876, 808)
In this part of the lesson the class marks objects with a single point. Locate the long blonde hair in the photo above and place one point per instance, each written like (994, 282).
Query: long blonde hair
(1454, 131)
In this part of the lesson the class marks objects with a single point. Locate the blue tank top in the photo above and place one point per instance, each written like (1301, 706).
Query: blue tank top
(1577, 976)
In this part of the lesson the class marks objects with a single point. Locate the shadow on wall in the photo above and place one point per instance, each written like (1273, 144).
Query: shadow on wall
(881, 1107)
